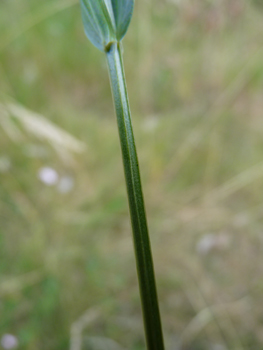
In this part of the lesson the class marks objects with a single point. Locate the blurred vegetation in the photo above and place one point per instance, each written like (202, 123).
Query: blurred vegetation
(195, 78)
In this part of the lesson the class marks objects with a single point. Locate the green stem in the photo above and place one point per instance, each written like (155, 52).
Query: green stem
(144, 262)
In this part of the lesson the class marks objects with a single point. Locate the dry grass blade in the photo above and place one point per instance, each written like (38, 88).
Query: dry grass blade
(16, 284)
(90, 316)
(238, 182)
(38, 126)
(206, 315)
(8, 126)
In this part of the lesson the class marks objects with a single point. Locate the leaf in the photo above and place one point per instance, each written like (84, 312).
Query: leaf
(99, 25)
(123, 10)
(106, 21)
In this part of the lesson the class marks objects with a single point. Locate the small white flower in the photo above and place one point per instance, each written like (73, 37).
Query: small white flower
(205, 244)
(65, 185)
(211, 242)
(48, 175)
(9, 341)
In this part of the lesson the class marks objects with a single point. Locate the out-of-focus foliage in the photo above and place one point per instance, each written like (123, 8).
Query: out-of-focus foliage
(195, 79)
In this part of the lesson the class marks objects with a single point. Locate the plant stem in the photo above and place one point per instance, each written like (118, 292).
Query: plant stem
(144, 261)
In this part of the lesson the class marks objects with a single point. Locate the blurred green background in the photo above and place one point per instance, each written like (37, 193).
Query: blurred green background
(67, 272)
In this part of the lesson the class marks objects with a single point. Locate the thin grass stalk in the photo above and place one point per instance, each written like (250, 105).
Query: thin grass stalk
(144, 261)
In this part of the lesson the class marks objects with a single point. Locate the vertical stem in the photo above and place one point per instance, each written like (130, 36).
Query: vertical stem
(144, 262)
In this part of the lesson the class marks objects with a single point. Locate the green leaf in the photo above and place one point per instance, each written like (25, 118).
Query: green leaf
(106, 21)
(123, 10)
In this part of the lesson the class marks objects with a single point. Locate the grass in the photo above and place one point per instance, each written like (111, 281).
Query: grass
(198, 123)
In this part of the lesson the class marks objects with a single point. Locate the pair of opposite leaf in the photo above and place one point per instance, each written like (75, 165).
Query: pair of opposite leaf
(106, 21)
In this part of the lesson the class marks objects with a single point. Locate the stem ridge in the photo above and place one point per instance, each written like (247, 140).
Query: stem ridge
(144, 261)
